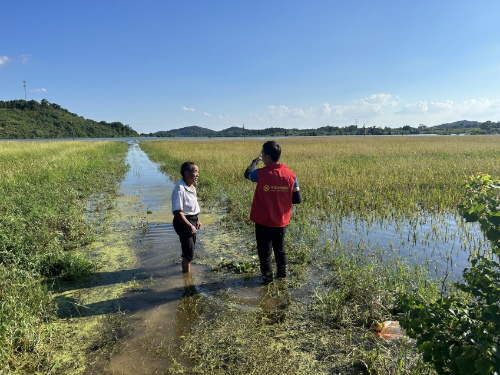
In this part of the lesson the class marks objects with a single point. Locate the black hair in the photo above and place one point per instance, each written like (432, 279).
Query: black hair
(273, 149)
(187, 167)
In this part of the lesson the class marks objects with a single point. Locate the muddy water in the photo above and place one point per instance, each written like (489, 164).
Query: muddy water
(163, 308)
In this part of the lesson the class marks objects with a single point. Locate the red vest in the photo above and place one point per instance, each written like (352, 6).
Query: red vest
(272, 201)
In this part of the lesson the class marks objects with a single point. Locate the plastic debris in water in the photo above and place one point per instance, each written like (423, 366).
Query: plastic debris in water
(390, 330)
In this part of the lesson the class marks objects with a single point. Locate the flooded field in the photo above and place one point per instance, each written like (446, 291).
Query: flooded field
(379, 218)
(355, 245)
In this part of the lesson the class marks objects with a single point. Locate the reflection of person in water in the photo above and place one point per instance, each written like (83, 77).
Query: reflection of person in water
(185, 208)
(277, 189)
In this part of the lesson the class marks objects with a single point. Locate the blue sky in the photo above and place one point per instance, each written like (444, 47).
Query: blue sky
(159, 65)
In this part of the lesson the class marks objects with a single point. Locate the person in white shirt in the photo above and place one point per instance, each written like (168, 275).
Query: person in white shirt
(185, 208)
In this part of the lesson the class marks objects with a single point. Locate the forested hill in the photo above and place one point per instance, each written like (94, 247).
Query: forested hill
(457, 127)
(21, 119)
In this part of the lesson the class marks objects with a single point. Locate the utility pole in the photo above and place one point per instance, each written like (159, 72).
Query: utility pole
(24, 85)
(243, 131)
(72, 130)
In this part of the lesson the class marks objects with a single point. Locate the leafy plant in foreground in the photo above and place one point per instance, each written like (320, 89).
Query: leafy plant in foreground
(459, 333)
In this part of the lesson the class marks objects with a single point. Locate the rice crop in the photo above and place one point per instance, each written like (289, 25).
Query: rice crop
(45, 189)
(408, 186)
(386, 176)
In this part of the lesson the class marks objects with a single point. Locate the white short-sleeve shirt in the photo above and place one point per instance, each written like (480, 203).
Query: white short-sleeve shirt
(184, 199)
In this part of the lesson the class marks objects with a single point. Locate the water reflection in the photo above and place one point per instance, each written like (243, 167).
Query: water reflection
(442, 243)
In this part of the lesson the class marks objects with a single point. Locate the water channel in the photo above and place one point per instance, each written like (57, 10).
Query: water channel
(163, 313)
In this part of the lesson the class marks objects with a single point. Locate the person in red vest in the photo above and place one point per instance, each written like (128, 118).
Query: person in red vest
(277, 189)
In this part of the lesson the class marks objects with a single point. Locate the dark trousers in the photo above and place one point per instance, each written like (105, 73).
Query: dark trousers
(269, 239)
(188, 240)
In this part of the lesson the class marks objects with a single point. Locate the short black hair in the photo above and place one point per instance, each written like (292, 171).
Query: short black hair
(273, 149)
(187, 167)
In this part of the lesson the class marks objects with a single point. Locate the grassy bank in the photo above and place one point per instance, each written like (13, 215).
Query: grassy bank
(339, 291)
(45, 190)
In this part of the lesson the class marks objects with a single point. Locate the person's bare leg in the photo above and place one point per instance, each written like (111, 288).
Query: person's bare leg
(186, 265)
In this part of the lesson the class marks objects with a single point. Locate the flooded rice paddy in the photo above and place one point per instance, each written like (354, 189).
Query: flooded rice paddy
(161, 307)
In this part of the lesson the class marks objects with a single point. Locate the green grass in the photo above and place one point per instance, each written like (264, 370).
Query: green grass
(45, 189)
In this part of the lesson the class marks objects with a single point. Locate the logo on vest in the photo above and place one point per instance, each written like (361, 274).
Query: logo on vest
(276, 189)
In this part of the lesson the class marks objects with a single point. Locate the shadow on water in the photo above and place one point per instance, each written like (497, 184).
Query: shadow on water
(103, 279)
(143, 299)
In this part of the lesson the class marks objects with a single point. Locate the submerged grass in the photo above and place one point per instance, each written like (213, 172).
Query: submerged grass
(45, 189)
(339, 290)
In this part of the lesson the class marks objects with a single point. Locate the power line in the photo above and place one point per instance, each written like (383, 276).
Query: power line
(24, 85)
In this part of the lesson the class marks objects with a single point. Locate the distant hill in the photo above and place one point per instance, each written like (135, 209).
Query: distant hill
(457, 127)
(189, 131)
(21, 119)
(459, 124)
(234, 131)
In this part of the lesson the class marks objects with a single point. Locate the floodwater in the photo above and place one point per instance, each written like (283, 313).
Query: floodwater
(442, 244)
(163, 313)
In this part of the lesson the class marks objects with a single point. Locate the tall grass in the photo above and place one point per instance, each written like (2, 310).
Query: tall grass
(44, 193)
(342, 175)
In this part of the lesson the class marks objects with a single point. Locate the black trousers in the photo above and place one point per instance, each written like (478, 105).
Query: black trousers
(187, 239)
(271, 239)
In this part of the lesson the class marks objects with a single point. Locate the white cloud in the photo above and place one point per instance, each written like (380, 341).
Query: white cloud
(326, 110)
(256, 115)
(186, 109)
(25, 58)
(413, 109)
(387, 110)
(3, 59)
(424, 107)
(283, 111)
(480, 106)
(435, 107)
(298, 112)
(473, 107)
(38, 90)
(220, 116)
(207, 114)
(374, 105)
(381, 99)
(278, 112)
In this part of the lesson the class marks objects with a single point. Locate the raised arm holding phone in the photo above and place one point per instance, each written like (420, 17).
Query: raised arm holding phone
(276, 191)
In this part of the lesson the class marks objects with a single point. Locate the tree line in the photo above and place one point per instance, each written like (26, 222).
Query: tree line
(458, 127)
